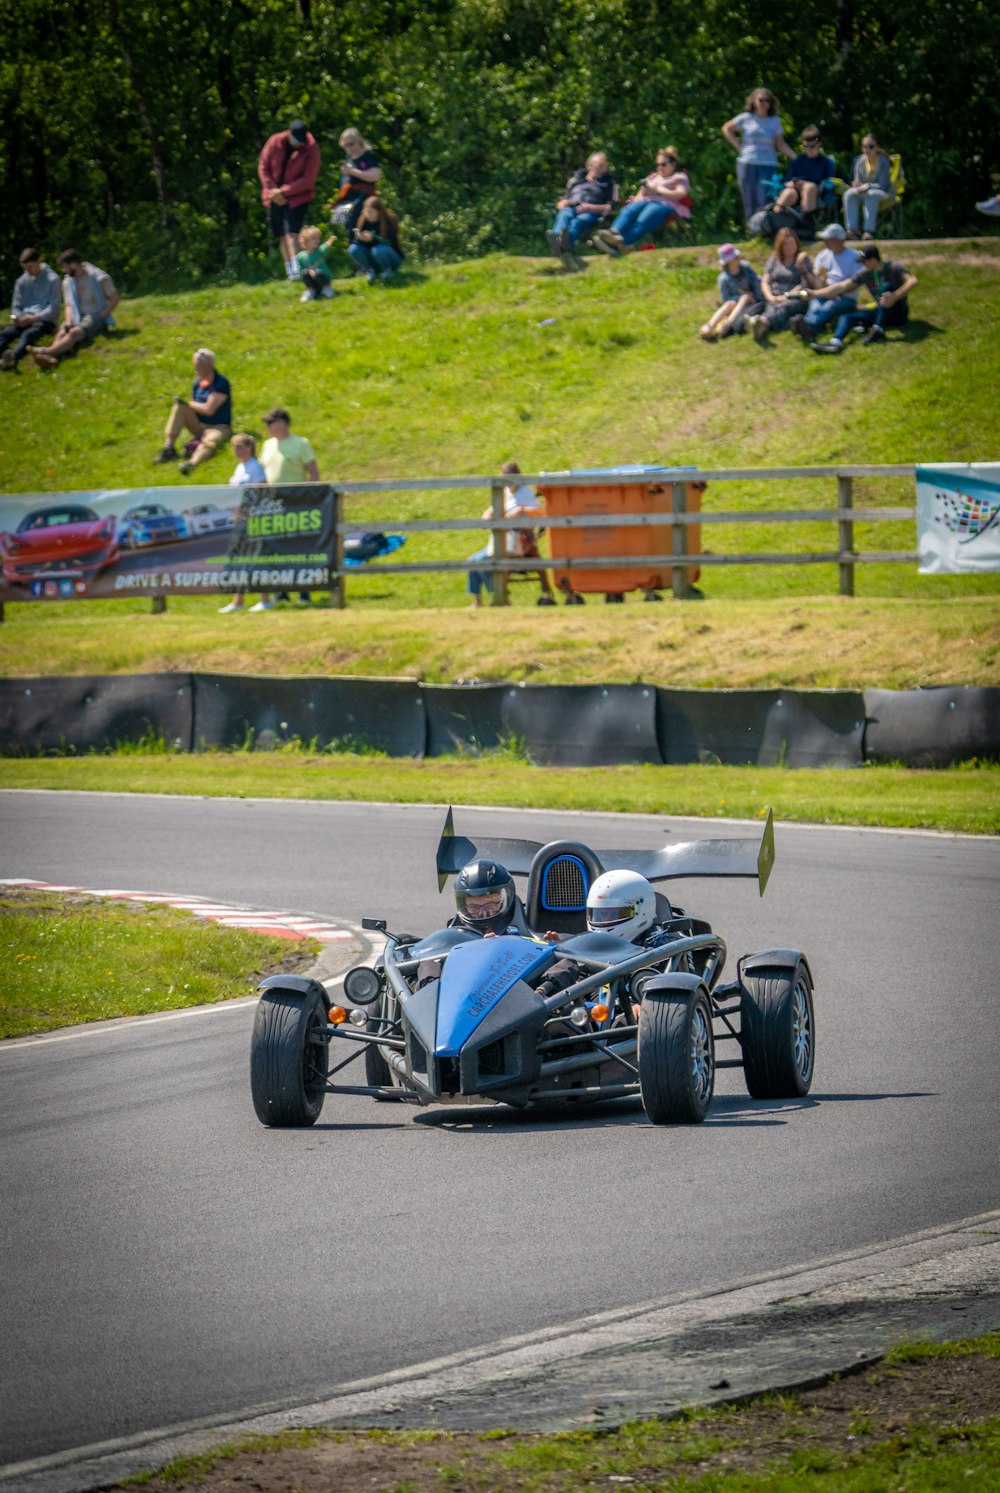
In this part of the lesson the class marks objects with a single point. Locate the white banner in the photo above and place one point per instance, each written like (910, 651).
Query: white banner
(958, 518)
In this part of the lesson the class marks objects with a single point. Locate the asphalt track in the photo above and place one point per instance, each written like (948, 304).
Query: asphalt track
(164, 1258)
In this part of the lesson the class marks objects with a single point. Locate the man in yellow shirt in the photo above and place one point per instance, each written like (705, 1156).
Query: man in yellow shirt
(287, 458)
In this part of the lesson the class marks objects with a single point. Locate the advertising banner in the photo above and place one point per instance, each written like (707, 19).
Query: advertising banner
(958, 518)
(165, 541)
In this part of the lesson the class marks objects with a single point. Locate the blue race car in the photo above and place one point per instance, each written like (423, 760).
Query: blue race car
(552, 1006)
(150, 523)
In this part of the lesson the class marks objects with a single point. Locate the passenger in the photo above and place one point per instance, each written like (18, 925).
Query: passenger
(757, 136)
(591, 194)
(665, 194)
(740, 296)
(787, 280)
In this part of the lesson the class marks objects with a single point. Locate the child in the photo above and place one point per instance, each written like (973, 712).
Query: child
(739, 292)
(312, 264)
(248, 473)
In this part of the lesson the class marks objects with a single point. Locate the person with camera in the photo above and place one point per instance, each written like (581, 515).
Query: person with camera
(207, 415)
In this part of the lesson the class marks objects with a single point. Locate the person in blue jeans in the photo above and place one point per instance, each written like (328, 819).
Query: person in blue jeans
(590, 198)
(375, 248)
(889, 285)
(665, 193)
(839, 271)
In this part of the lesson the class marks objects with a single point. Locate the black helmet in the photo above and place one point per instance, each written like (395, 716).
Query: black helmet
(484, 896)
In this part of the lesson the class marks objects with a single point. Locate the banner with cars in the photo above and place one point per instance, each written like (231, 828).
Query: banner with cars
(958, 518)
(165, 541)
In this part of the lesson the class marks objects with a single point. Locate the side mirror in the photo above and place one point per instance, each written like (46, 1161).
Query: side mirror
(373, 925)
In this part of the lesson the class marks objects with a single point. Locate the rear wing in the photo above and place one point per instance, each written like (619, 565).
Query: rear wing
(718, 857)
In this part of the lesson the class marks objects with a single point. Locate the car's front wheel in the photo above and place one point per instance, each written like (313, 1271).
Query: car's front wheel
(676, 1057)
(778, 1032)
(289, 1058)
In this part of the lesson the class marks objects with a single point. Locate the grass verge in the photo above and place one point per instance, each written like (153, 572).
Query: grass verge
(965, 799)
(922, 1422)
(71, 959)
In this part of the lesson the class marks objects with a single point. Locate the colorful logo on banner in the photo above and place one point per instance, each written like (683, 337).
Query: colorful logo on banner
(958, 518)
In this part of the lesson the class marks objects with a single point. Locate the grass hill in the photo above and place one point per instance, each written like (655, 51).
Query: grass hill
(457, 367)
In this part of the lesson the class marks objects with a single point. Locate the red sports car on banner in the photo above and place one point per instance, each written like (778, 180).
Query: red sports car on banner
(68, 540)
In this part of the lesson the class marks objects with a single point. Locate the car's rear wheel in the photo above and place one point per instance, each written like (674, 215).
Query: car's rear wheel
(676, 1058)
(778, 1032)
(288, 1058)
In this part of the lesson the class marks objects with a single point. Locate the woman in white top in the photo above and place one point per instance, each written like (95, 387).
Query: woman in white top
(518, 500)
(757, 136)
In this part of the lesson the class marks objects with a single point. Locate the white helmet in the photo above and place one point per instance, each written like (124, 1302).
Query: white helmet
(621, 902)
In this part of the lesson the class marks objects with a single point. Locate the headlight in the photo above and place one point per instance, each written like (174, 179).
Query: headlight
(361, 985)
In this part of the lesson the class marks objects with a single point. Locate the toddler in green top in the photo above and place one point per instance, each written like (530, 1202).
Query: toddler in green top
(313, 265)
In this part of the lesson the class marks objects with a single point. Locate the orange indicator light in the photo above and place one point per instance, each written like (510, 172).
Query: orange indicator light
(337, 1015)
(599, 1013)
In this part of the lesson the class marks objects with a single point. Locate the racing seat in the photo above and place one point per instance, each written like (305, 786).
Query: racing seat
(559, 879)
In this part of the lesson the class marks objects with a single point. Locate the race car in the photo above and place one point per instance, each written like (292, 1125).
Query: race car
(206, 518)
(456, 1017)
(150, 523)
(64, 539)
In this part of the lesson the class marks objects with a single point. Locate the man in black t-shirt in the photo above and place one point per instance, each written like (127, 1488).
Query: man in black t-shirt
(208, 414)
(889, 285)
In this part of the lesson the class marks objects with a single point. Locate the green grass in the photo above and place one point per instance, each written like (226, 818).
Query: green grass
(69, 960)
(961, 799)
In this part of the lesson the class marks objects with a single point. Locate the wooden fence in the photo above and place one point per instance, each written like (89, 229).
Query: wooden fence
(681, 558)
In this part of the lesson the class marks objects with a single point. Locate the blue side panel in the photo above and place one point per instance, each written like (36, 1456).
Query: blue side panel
(476, 977)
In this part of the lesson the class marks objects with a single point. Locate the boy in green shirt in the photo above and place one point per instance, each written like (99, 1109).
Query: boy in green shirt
(313, 265)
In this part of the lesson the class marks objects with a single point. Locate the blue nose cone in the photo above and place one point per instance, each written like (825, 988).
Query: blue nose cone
(475, 978)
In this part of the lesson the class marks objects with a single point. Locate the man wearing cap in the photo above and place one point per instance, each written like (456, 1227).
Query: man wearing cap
(34, 308)
(208, 414)
(889, 286)
(288, 167)
(839, 270)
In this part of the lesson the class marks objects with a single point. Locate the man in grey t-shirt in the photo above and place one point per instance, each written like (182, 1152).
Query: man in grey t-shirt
(89, 297)
(34, 308)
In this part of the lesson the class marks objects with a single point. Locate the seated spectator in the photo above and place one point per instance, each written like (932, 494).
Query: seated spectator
(806, 175)
(591, 195)
(375, 248)
(248, 473)
(34, 308)
(207, 415)
(313, 265)
(519, 543)
(756, 135)
(665, 193)
(838, 271)
(787, 280)
(359, 174)
(889, 285)
(740, 296)
(288, 167)
(89, 298)
(870, 187)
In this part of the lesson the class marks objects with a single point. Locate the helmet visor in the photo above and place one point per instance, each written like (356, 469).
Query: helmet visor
(610, 917)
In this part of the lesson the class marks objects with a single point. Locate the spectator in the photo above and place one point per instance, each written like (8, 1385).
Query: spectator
(991, 207)
(312, 264)
(89, 298)
(288, 167)
(591, 194)
(287, 458)
(665, 193)
(518, 543)
(739, 296)
(806, 175)
(787, 280)
(889, 285)
(838, 271)
(34, 308)
(756, 135)
(207, 415)
(870, 187)
(376, 251)
(359, 173)
(248, 473)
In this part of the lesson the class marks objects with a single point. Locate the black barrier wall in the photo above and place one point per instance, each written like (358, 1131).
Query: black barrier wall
(559, 725)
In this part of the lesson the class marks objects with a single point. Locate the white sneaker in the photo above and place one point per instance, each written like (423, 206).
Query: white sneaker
(262, 606)
(308, 295)
(328, 292)
(234, 606)
(991, 207)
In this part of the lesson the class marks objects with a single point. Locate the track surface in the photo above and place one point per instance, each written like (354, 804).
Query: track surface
(163, 1257)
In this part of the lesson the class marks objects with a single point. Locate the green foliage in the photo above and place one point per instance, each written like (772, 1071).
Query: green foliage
(133, 130)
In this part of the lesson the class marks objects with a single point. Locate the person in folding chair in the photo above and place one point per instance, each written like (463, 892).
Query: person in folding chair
(871, 185)
(521, 544)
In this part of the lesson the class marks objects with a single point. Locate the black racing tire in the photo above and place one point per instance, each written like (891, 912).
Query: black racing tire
(289, 1061)
(778, 1032)
(676, 1058)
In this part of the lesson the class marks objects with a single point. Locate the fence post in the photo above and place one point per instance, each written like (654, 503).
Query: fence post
(845, 535)
(338, 598)
(499, 546)
(678, 539)
(159, 606)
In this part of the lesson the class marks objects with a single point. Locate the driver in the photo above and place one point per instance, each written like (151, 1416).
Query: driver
(485, 900)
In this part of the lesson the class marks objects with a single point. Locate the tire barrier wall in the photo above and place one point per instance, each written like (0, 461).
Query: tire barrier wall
(558, 725)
